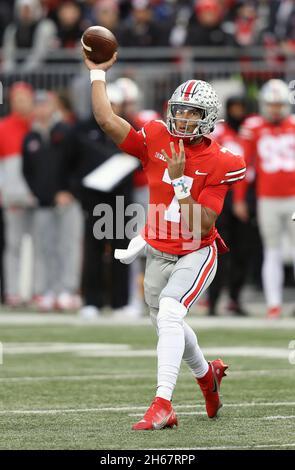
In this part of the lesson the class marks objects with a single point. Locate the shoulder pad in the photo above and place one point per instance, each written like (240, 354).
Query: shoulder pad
(230, 168)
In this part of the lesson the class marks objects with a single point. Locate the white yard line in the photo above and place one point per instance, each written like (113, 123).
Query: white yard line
(256, 322)
(74, 378)
(238, 351)
(135, 408)
(200, 413)
(139, 375)
(267, 418)
(124, 350)
(181, 413)
(51, 347)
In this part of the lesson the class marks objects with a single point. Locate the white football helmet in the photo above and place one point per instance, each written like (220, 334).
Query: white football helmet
(197, 94)
(274, 91)
(129, 88)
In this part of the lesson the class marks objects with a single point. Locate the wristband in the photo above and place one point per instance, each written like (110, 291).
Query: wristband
(97, 74)
(181, 188)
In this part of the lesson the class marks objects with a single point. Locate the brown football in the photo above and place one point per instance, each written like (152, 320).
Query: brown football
(99, 44)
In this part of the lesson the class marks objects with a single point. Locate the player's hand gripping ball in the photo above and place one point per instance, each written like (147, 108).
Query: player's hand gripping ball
(99, 44)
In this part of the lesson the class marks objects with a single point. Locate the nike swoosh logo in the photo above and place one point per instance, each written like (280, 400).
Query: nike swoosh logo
(200, 173)
(163, 423)
(88, 48)
(215, 386)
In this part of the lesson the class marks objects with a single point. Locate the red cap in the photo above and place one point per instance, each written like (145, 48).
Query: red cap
(202, 5)
(20, 86)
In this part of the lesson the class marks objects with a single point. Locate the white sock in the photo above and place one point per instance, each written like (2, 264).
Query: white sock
(170, 345)
(193, 355)
(272, 276)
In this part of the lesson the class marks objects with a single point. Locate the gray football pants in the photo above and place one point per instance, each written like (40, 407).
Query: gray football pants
(182, 278)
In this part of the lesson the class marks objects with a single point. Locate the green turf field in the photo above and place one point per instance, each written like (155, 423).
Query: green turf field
(81, 387)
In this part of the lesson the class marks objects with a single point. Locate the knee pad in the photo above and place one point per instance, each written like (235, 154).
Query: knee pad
(171, 312)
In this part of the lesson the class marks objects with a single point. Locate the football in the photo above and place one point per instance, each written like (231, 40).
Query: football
(99, 44)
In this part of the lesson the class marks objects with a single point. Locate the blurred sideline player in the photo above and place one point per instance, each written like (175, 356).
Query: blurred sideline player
(270, 149)
(17, 200)
(130, 111)
(140, 196)
(187, 173)
(232, 268)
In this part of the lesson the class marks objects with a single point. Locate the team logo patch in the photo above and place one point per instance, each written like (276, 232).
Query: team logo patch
(160, 156)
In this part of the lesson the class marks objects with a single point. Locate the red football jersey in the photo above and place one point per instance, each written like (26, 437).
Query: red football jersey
(209, 170)
(231, 139)
(270, 150)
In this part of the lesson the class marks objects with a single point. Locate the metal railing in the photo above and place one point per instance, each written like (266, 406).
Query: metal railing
(158, 70)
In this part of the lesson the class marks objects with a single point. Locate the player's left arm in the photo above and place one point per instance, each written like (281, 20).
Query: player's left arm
(176, 166)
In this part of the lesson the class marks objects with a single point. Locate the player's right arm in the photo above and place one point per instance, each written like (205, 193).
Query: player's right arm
(247, 134)
(114, 126)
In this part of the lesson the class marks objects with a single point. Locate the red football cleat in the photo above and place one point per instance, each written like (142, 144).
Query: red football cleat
(274, 313)
(210, 386)
(160, 415)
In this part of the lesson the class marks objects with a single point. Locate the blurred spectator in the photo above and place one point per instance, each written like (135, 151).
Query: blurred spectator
(58, 234)
(283, 16)
(29, 31)
(104, 279)
(50, 7)
(6, 15)
(107, 14)
(65, 107)
(232, 267)
(183, 13)
(269, 143)
(205, 27)
(140, 196)
(17, 199)
(141, 30)
(247, 25)
(88, 16)
(69, 28)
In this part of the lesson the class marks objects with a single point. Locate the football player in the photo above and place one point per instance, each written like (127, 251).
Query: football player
(269, 142)
(187, 173)
(232, 269)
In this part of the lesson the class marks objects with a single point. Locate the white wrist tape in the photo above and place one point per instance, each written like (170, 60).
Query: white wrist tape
(96, 74)
(180, 187)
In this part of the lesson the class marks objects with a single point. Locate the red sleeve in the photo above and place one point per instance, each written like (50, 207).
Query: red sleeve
(135, 145)
(249, 146)
(240, 191)
(1, 139)
(213, 197)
